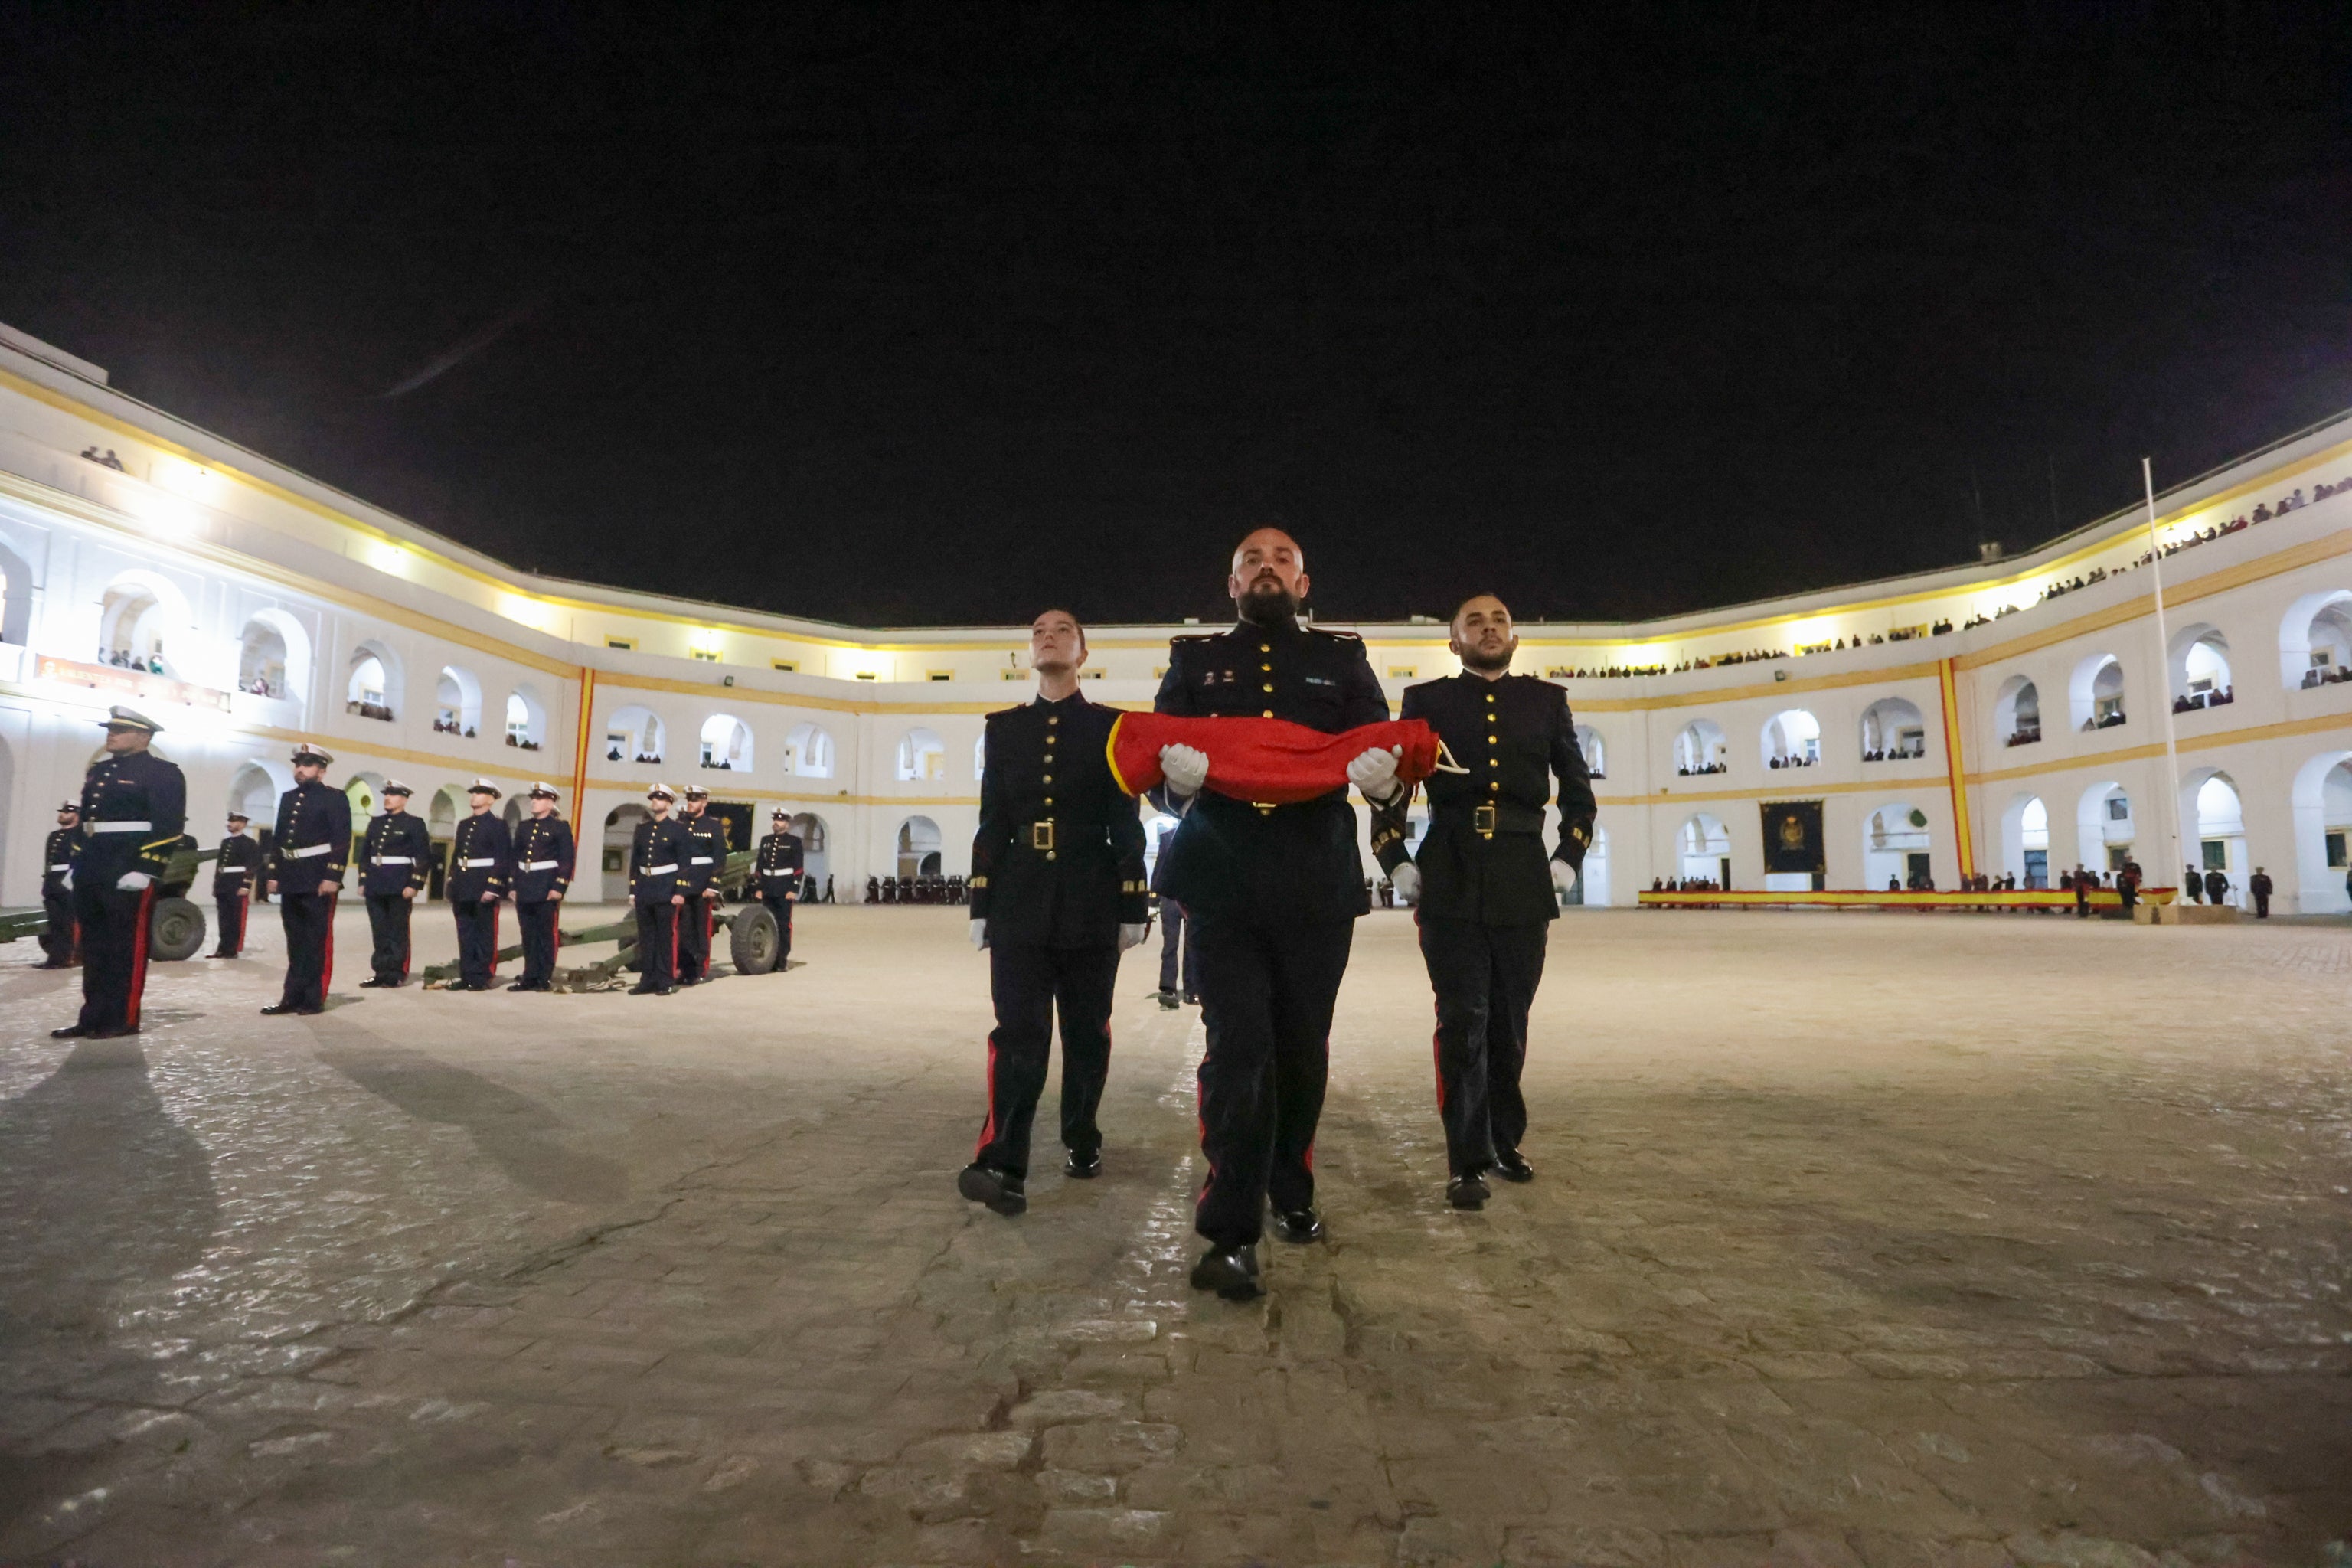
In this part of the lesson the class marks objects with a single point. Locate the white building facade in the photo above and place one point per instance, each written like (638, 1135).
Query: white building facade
(144, 561)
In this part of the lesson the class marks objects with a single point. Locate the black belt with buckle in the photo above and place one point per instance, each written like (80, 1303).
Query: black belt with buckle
(1490, 817)
(1041, 835)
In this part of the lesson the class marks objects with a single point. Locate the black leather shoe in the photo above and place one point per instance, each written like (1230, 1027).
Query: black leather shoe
(113, 1034)
(1167, 1000)
(278, 1009)
(368, 985)
(1468, 1192)
(1084, 1167)
(522, 985)
(60, 964)
(70, 1032)
(999, 1190)
(1298, 1225)
(1230, 1271)
(1512, 1167)
(1191, 998)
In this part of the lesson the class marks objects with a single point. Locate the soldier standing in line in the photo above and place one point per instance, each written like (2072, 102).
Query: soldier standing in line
(1058, 894)
(657, 886)
(481, 870)
(60, 937)
(1486, 891)
(133, 808)
(779, 871)
(311, 848)
(1273, 893)
(705, 856)
(394, 860)
(234, 870)
(2260, 885)
(542, 860)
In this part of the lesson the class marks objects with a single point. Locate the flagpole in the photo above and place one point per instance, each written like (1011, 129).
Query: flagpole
(2164, 673)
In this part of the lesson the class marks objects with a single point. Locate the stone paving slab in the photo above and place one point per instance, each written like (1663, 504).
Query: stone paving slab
(1860, 1240)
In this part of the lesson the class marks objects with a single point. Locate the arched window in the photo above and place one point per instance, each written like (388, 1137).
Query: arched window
(261, 660)
(1703, 849)
(1700, 748)
(726, 743)
(816, 857)
(2025, 841)
(457, 703)
(2098, 691)
(133, 629)
(254, 791)
(1596, 752)
(918, 847)
(1893, 731)
(2104, 828)
(2315, 641)
(979, 755)
(633, 734)
(525, 723)
(15, 597)
(1894, 849)
(2017, 712)
(2198, 666)
(921, 755)
(808, 751)
(374, 690)
(2321, 803)
(2209, 803)
(1791, 740)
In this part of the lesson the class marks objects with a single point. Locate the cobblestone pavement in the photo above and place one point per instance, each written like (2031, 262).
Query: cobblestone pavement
(1859, 1240)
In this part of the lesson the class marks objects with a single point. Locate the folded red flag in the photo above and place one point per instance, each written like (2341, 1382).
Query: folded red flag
(1264, 761)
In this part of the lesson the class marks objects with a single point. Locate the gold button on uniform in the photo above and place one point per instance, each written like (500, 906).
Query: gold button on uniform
(1269, 686)
(1049, 778)
(1049, 800)
(1267, 714)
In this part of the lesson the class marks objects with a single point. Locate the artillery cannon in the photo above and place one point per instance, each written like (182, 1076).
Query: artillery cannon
(753, 940)
(175, 926)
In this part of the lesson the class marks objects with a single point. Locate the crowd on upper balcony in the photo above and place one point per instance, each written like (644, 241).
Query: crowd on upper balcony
(106, 459)
(1715, 767)
(1895, 753)
(152, 665)
(2195, 699)
(260, 686)
(453, 727)
(614, 755)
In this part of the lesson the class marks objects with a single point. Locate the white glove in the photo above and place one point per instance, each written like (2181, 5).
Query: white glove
(1563, 878)
(1374, 772)
(979, 935)
(1186, 768)
(133, 882)
(1128, 936)
(1406, 880)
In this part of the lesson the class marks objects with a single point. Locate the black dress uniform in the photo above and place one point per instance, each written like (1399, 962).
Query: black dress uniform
(543, 863)
(1272, 892)
(1056, 868)
(705, 856)
(1486, 892)
(778, 874)
(312, 845)
(396, 856)
(234, 870)
(61, 936)
(656, 874)
(481, 872)
(133, 810)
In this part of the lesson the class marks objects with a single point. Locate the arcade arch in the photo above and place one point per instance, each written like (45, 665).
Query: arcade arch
(2321, 801)
(921, 755)
(918, 847)
(620, 836)
(254, 790)
(1703, 849)
(2025, 841)
(1591, 888)
(143, 624)
(2208, 799)
(2105, 829)
(1893, 731)
(1700, 748)
(2017, 712)
(365, 792)
(808, 751)
(373, 690)
(2097, 692)
(2316, 641)
(726, 743)
(2198, 664)
(1595, 750)
(1895, 848)
(816, 853)
(457, 703)
(633, 734)
(273, 657)
(15, 597)
(979, 756)
(526, 720)
(1791, 740)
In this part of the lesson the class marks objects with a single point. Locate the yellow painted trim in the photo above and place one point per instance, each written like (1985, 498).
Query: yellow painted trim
(1955, 769)
(730, 792)
(1895, 789)
(2249, 735)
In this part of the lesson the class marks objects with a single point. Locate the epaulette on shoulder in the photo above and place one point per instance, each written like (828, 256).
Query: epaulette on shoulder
(1334, 632)
(1182, 638)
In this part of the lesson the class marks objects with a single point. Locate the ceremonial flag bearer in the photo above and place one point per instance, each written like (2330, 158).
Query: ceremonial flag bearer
(235, 865)
(481, 871)
(657, 886)
(1058, 894)
(1272, 892)
(394, 861)
(705, 856)
(1483, 887)
(60, 938)
(133, 809)
(312, 849)
(542, 860)
(779, 878)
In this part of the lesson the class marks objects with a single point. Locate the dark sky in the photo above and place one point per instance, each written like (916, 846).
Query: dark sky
(939, 314)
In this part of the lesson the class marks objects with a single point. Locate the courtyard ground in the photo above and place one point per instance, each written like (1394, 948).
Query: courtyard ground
(1858, 1239)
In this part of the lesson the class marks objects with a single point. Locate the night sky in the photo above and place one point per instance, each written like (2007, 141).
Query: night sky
(940, 314)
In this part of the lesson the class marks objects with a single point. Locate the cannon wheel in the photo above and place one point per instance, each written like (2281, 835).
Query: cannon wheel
(176, 930)
(753, 939)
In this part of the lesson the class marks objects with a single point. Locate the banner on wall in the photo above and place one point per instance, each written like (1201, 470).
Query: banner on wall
(1792, 837)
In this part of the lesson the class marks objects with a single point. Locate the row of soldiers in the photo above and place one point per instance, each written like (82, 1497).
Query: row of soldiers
(1270, 893)
(112, 847)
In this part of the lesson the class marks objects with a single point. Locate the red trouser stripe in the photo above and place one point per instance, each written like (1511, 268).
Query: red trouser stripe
(327, 964)
(988, 1127)
(494, 937)
(139, 959)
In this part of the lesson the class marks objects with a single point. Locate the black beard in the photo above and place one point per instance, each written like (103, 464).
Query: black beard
(1472, 659)
(1267, 605)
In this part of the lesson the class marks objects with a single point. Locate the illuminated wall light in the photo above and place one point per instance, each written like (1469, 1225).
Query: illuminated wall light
(386, 557)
